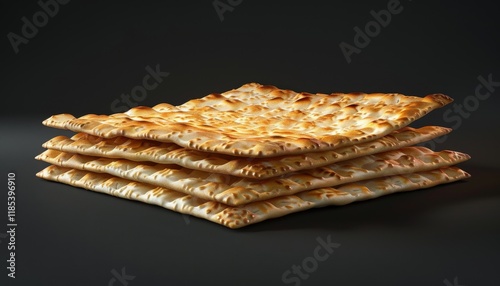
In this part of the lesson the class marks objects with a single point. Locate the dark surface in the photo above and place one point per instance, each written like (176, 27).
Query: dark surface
(92, 52)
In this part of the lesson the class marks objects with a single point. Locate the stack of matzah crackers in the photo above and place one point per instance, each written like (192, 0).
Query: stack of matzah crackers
(254, 153)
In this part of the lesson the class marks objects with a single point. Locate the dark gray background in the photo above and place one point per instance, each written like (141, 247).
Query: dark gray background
(93, 51)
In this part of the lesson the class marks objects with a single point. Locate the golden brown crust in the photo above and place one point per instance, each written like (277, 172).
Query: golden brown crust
(235, 191)
(236, 217)
(261, 168)
(261, 121)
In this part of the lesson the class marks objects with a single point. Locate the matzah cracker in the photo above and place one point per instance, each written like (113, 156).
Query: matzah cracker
(261, 168)
(236, 217)
(234, 191)
(259, 121)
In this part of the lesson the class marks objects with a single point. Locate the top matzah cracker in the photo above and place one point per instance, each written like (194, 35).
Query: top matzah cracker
(260, 121)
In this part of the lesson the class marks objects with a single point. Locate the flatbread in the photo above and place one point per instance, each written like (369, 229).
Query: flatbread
(260, 121)
(235, 191)
(260, 168)
(236, 217)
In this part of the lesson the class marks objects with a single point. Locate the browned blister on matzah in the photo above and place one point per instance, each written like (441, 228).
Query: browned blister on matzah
(261, 168)
(234, 191)
(261, 121)
(236, 217)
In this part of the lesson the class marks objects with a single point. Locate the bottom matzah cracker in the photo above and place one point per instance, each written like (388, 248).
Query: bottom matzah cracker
(236, 217)
(237, 191)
